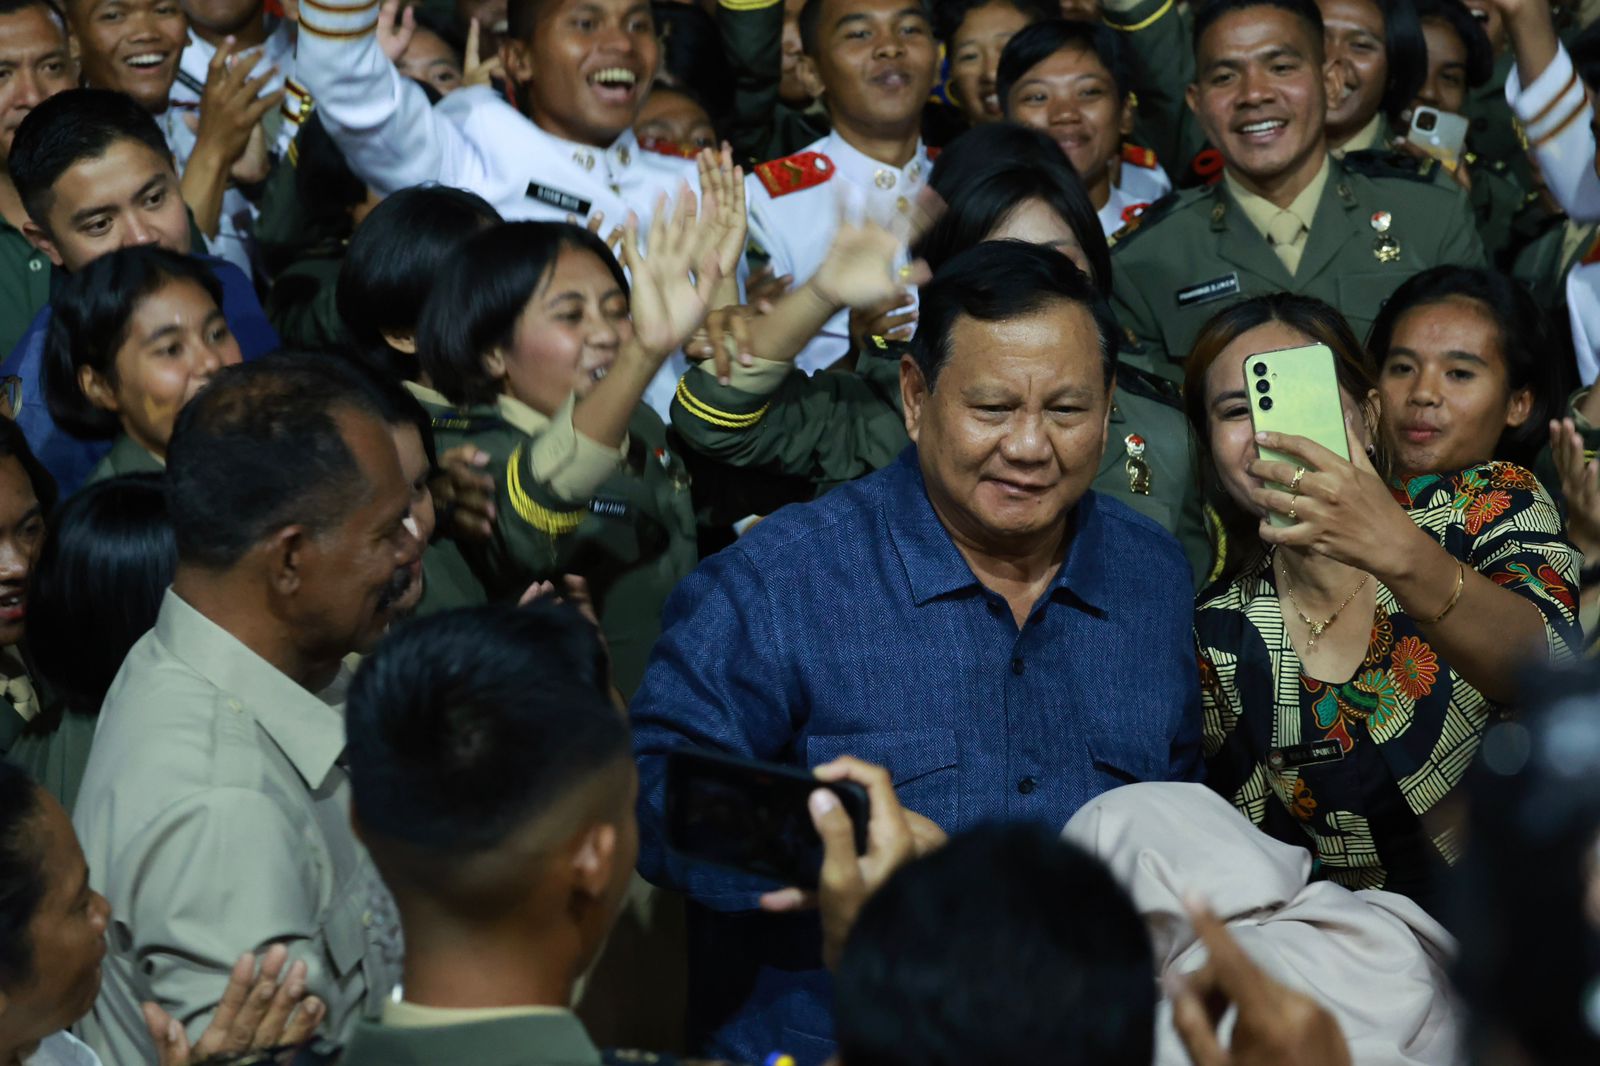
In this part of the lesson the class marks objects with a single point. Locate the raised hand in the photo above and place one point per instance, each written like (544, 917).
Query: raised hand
(259, 1009)
(722, 208)
(397, 24)
(476, 71)
(1580, 487)
(672, 285)
(863, 266)
(231, 106)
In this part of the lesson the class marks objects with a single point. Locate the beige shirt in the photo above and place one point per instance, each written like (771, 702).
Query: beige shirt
(1286, 229)
(215, 820)
(571, 464)
(1366, 138)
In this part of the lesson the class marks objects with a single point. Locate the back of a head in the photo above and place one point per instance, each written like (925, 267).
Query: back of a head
(997, 281)
(96, 588)
(22, 882)
(1207, 13)
(988, 171)
(395, 257)
(1006, 946)
(68, 127)
(468, 728)
(258, 449)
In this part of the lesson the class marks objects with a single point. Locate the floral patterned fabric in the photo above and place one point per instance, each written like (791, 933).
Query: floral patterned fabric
(1405, 725)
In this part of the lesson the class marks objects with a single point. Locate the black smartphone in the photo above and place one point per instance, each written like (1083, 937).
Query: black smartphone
(752, 816)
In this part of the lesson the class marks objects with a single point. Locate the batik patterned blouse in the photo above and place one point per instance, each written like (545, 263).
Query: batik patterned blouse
(1357, 772)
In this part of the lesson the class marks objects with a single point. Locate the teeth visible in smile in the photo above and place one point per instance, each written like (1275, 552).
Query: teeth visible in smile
(149, 59)
(13, 600)
(599, 372)
(614, 76)
(1262, 127)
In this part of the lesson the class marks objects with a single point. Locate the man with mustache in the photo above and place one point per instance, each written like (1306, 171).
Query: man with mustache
(1285, 216)
(214, 811)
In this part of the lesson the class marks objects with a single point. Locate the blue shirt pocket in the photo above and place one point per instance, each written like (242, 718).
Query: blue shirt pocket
(923, 763)
(1126, 758)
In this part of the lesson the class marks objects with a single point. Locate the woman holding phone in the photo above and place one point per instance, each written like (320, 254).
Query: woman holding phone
(1352, 657)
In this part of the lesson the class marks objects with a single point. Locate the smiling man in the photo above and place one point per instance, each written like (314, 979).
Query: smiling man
(876, 61)
(1285, 216)
(1006, 641)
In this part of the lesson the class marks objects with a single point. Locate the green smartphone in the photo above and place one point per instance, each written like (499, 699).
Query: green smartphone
(1296, 391)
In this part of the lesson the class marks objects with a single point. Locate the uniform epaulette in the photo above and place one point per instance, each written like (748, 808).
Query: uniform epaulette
(1140, 156)
(661, 146)
(1377, 163)
(803, 170)
(1143, 219)
(1143, 383)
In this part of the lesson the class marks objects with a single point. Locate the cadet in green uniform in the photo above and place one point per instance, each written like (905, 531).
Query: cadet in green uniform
(1158, 34)
(773, 113)
(135, 334)
(1286, 216)
(527, 333)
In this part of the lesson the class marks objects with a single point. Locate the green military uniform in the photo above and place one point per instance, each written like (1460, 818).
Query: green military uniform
(24, 285)
(303, 305)
(764, 127)
(1543, 265)
(834, 427)
(125, 457)
(1160, 40)
(1192, 253)
(447, 580)
(1494, 132)
(633, 538)
(38, 734)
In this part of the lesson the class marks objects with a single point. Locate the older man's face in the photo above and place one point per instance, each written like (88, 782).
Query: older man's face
(1011, 436)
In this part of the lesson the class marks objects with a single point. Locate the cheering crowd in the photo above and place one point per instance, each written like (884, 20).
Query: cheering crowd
(425, 420)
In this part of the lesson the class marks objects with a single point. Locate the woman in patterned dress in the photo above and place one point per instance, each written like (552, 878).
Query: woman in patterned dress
(1351, 660)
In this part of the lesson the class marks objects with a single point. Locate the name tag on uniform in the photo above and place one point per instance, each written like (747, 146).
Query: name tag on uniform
(1206, 291)
(1297, 755)
(556, 198)
(610, 507)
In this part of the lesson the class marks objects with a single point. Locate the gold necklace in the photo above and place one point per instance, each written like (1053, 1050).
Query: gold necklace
(1317, 628)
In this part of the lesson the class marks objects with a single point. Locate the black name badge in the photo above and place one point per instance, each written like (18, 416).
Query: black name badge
(1206, 291)
(1297, 755)
(556, 198)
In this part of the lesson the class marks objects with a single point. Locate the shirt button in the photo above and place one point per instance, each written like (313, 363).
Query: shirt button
(366, 919)
(1016, 665)
(1027, 785)
(36, 265)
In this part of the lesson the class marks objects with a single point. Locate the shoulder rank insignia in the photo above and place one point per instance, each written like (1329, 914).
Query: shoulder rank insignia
(1139, 156)
(1207, 166)
(1142, 215)
(803, 170)
(1133, 211)
(661, 146)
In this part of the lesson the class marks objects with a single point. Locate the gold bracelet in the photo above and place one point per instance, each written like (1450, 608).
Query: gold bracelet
(1461, 582)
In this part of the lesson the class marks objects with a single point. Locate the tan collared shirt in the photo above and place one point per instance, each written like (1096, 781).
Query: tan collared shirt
(1286, 229)
(401, 1014)
(1366, 137)
(215, 819)
(571, 464)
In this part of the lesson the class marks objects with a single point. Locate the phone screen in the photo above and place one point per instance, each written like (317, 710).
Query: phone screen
(752, 817)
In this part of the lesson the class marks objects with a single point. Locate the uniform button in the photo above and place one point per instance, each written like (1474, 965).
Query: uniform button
(235, 706)
(36, 265)
(1027, 785)
(366, 919)
(1016, 665)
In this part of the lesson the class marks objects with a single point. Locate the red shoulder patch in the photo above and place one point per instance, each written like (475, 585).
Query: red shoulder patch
(661, 146)
(1132, 211)
(803, 170)
(1139, 156)
(933, 153)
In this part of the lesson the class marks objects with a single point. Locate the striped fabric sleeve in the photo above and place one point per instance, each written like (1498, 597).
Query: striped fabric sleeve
(1553, 112)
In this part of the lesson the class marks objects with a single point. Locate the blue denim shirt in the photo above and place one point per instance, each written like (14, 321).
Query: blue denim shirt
(69, 459)
(853, 625)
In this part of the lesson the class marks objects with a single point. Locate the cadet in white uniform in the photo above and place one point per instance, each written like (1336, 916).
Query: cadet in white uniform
(876, 60)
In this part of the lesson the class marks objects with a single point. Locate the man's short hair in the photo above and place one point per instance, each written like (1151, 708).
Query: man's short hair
(1208, 12)
(12, 7)
(1008, 945)
(260, 448)
(468, 725)
(997, 281)
(810, 24)
(67, 128)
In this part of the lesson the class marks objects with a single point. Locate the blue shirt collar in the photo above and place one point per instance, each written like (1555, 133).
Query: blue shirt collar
(935, 567)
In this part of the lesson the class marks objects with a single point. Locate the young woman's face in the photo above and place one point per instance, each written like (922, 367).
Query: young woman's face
(1231, 432)
(1071, 98)
(176, 339)
(567, 336)
(1446, 84)
(1037, 222)
(21, 537)
(975, 49)
(430, 60)
(1447, 396)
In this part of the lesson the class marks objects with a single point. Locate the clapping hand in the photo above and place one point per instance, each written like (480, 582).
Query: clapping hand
(231, 110)
(397, 24)
(464, 492)
(258, 1009)
(1580, 486)
(672, 284)
(722, 209)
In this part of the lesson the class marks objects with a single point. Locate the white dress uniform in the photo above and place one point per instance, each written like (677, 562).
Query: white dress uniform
(1113, 216)
(1555, 117)
(1142, 184)
(473, 139)
(236, 225)
(796, 226)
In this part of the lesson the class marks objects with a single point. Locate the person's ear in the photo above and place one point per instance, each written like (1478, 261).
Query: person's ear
(913, 395)
(401, 340)
(517, 59)
(494, 364)
(594, 860)
(97, 390)
(810, 78)
(1130, 106)
(286, 556)
(1520, 407)
(1372, 416)
(41, 240)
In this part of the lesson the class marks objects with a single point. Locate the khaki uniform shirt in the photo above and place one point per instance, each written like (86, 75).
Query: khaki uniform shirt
(215, 820)
(126, 457)
(518, 1036)
(1286, 229)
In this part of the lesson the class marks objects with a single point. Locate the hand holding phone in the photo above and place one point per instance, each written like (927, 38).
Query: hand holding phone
(1296, 391)
(1441, 134)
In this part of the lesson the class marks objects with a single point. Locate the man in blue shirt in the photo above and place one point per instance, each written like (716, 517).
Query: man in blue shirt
(94, 173)
(1008, 643)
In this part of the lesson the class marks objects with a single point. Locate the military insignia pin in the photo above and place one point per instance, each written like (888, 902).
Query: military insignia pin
(1385, 249)
(1138, 470)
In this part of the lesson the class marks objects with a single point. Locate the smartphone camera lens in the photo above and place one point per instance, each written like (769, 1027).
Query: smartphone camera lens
(1426, 120)
(1266, 403)
(1262, 385)
(1261, 370)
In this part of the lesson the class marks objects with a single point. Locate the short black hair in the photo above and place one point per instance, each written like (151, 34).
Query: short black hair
(1480, 54)
(1524, 338)
(1208, 12)
(22, 885)
(467, 725)
(106, 561)
(258, 449)
(987, 172)
(68, 128)
(328, 189)
(999, 280)
(1406, 53)
(395, 404)
(480, 293)
(693, 60)
(810, 23)
(1033, 44)
(90, 317)
(973, 956)
(393, 261)
(948, 15)
(13, 445)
